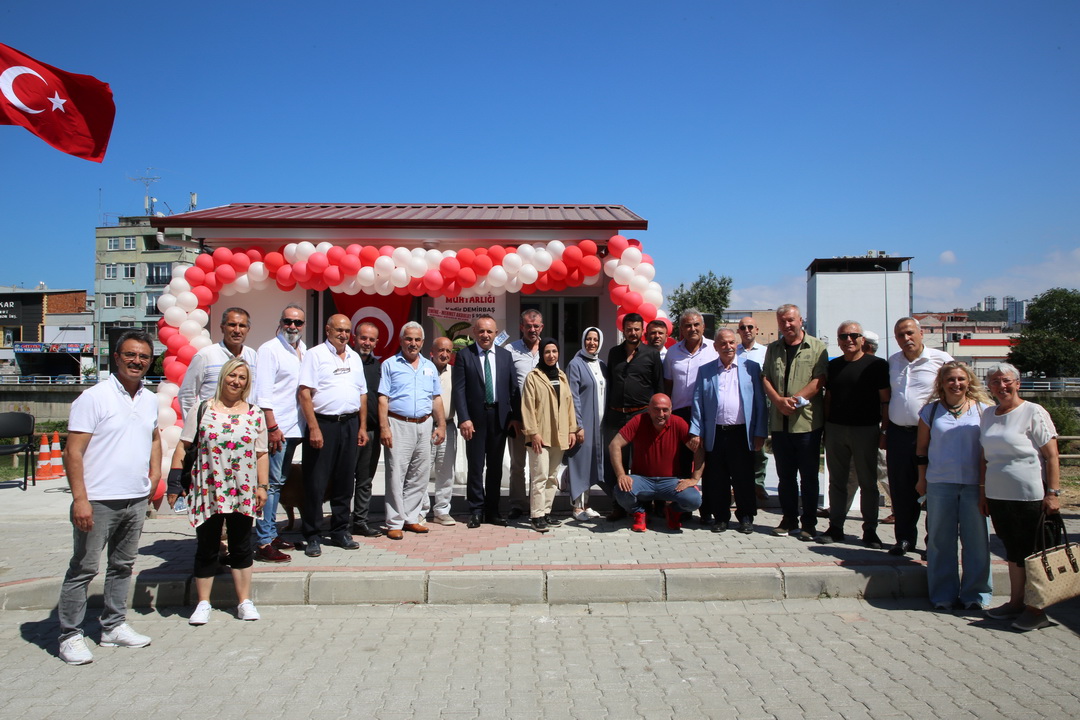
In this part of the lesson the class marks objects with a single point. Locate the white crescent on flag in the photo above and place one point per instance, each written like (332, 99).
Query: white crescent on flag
(7, 80)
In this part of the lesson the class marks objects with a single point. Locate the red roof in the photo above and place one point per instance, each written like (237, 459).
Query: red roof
(989, 342)
(276, 215)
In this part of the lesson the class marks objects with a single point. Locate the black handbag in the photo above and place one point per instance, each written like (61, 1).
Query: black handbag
(188, 469)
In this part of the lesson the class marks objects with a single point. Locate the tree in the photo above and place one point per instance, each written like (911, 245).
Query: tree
(1049, 342)
(709, 294)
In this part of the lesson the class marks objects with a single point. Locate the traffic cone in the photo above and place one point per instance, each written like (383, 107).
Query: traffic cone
(44, 463)
(56, 458)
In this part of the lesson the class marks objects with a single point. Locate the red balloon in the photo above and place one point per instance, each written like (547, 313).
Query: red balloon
(175, 405)
(482, 264)
(588, 247)
(619, 319)
(176, 342)
(285, 285)
(618, 295)
(647, 258)
(647, 311)
(204, 294)
(559, 285)
(466, 277)
(212, 281)
(159, 490)
(185, 354)
(466, 256)
(632, 301)
(634, 241)
(165, 332)
(481, 251)
(222, 256)
(350, 265)
(226, 273)
(386, 250)
(161, 323)
(254, 255)
(317, 262)
(496, 253)
(418, 287)
(333, 275)
(240, 261)
(575, 278)
(401, 290)
(368, 255)
(204, 262)
(433, 281)
(301, 272)
(213, 299)
(354, 249)
(449, 267)
(452, 289)
(616, 244)
(528, 289)
(285, 274)
(174, 373)
(194, 275)
(318, 285)
(591, 265)
(335, 255)
(543, 282)
(273, 261)
(558, 270)
(572, 256)
(670, 329)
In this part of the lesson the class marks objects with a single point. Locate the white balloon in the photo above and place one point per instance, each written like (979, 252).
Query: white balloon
(656, 287)
(242, 284)
(592, 280)
(200, 316)
(497, 277)
(366, 277)
(179, 285)
(500, 290)
(418, 252)
(609, 266)
(163, 400)
(168, 389)
(190, 329)
(384, 265)
(175, 316)
(513, 285)
(526, 252)
(512, 263)
(227, 290)
(200, 342)
(260, 284)
(290, 253)
(384, 287)
(418, 266)
(399, 277)
(639, 284)
(433, 258)
(401, 256)
(187, 301)
(542, 260)
(179, 269)
(646, 271)
(352, 287)
(304, 250)
(171, 435)
(258, 271)
(556, 248)
(166, 301)
(631, 257)
(166, 417)
(324, 247)
(662, 314)
(623, 275)
(653, 298)
(206, 333)
(528, 274)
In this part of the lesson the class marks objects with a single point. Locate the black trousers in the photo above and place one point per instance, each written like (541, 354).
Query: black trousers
(208, 543)
(729, 466)
(367, 459)
(686, 456)
(903, 475)
(485, 450)
(331, 466)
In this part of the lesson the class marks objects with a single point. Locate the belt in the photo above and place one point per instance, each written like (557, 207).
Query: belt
(730, 428)
(344, 417)
(488, 406)
(409, 419)
(629, 410)
(905, 428)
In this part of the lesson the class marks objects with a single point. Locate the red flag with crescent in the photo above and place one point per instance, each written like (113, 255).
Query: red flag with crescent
(386, 312)
(73, 113)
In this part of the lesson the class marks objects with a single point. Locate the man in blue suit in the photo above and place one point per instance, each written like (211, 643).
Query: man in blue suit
(486, 401)
(730, 418)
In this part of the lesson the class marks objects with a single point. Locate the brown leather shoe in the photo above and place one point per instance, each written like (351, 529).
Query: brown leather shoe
(416, 528)
(270, 554)
(395, 534)
(279, 544)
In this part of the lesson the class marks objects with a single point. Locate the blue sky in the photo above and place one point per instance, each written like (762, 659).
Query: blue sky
(754, 136)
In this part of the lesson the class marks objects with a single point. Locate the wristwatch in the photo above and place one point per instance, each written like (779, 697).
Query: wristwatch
(1056, 492)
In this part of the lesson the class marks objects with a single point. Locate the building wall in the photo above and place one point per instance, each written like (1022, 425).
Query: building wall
(832, 298)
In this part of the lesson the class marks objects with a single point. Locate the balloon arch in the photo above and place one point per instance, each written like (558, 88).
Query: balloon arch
(386, 270)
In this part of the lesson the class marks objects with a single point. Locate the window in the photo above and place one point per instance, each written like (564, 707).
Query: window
(110, 272)
(151, 303)
(114, 243)
(129, 300)
(110, 300)
(158, 273)
(129, 271)
(129, 243)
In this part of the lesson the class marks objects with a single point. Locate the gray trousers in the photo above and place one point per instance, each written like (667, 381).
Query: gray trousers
(519, 495)
(847, 446)
(443, 457)
(408, 466)
(117, 528)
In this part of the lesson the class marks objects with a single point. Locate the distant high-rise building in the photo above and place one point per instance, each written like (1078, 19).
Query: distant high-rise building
(1016, 310)
(990, 303)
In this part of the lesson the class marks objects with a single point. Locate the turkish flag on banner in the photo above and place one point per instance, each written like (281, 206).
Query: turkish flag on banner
(73, 113)
(387, 312)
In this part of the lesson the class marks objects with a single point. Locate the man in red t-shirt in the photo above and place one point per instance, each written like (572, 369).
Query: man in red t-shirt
(656, 437)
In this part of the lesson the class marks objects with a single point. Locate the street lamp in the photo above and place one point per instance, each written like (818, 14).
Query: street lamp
(888, 330)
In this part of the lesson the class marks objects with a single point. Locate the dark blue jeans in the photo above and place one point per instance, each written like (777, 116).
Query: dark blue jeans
(797, 457)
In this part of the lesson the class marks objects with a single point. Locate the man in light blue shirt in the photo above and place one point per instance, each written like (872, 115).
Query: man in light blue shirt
(407, 413)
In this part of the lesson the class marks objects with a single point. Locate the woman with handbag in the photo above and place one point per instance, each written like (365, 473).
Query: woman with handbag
(585, 463)
(228, 484)
(547, 414)
(948, 457)
(1020, 482)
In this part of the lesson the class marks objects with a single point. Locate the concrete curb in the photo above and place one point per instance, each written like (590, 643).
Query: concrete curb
(514, 587)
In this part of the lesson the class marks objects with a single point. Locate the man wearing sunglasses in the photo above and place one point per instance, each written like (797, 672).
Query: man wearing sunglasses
(200, 380)
(753, 350)
(275, 392)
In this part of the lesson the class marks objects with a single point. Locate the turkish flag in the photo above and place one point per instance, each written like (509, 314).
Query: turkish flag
(73, 113)
(386, 312)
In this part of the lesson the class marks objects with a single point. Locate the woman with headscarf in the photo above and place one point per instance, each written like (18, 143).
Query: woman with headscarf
(547, 414)
(585, 462)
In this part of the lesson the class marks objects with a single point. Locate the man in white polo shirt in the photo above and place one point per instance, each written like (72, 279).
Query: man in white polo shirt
(333, 401)
(112, 459)
(201, 378)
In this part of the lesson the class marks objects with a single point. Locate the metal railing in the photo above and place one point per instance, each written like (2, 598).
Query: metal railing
(1050, 384)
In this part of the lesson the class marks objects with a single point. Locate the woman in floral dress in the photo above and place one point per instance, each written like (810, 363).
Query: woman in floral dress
(228, 486)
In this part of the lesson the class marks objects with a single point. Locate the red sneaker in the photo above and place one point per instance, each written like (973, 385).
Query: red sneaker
(639, 522)
(674, 518)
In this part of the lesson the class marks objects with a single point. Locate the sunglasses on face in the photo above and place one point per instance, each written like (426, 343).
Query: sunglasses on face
(290, 321)
(746, 327)
(849, 336)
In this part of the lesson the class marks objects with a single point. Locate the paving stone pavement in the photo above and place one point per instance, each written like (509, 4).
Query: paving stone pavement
(836, 658)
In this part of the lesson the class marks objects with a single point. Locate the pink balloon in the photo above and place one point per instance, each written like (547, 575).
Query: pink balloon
(433, 281)
(254, 255)
(386, 250)
(354, 249)
(301, 272)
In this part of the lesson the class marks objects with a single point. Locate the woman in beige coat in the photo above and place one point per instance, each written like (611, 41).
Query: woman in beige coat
(547, 412)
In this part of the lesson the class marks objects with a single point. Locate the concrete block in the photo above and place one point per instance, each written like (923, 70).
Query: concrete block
(724, 584)
(279, 588)
(495, 586)
(356, 588)
(912, 579)
(159, 591)
(30, 594)
(999, 574)
(868, 581)
(596, 586)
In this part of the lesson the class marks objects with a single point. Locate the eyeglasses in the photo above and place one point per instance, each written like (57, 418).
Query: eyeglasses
(849, 336)
(746, 327)
(290, 321)
(136, 356)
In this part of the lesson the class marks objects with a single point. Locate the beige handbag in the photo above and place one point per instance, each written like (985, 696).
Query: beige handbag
(1053, 574)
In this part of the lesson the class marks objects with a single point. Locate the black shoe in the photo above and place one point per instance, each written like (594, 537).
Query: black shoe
(618, 512)
(475, 519)
(515, 513)
(552, 522)
(343, 541)
(901, 548)
(872, 541)
(496, 519)
(746, 526)
(313, 548)
(830, 536)
(718, 526)
(709, 522)
(538, 524)
(365, 530)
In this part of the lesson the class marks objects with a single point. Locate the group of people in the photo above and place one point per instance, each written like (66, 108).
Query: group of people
(670, 429)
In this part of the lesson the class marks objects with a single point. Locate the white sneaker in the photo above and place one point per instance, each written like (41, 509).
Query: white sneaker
(201, 614)
(123, 636)
(73, 651)
(246, 611)
(591, 513)
(444, 520)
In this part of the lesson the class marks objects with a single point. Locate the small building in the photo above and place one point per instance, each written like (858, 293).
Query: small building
(31, 322)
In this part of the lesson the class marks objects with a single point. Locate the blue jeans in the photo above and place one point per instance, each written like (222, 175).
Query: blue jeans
(797, 456)
(952, 511)
(647, 488)
(266, 526)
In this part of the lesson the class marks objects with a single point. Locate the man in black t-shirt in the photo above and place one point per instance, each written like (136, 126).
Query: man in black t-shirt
(856, 414)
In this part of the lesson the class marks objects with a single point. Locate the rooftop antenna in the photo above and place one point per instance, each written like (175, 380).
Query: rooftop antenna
(193, 201)
(147, 180)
